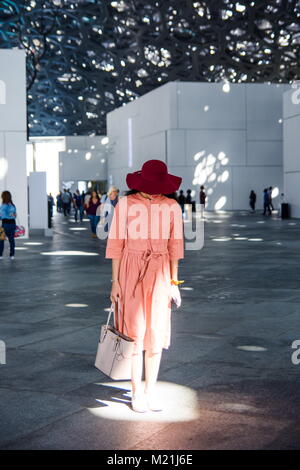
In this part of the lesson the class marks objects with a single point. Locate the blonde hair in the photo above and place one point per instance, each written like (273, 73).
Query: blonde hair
(111, 189)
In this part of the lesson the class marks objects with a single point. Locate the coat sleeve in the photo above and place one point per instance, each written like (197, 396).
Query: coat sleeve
(176, 240)
(118, 231)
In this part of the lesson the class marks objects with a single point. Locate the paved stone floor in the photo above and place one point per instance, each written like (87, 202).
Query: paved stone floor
(227, 380)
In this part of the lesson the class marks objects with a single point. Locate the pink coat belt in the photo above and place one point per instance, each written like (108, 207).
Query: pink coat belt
(146, 257)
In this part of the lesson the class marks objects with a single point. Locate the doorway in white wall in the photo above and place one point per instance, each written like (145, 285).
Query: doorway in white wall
(88, 185)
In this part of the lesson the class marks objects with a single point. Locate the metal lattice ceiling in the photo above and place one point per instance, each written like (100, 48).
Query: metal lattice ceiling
(85, 58)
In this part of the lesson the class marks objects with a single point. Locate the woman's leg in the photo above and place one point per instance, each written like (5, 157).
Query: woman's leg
(136, 373)
(152, 363)
(91, 221)
(10, 233)
(1, 247)
(94, 225)
(81, 213)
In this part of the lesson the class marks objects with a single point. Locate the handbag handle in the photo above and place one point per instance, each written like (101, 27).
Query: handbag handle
(111, 310)
(109, 313)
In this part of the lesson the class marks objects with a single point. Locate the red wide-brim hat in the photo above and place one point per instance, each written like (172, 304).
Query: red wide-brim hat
(153, 178)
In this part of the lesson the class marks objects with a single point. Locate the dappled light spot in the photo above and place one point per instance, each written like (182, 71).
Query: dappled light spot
(3, 168)
(222, 239)
(199, 155)
(33, 243)
(68, 253)
(220, 203)
(76, 305)
(224, 176)
(237, 407)
(252, 348)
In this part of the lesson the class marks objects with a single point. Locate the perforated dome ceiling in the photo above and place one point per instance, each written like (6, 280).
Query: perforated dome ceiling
(85, 58)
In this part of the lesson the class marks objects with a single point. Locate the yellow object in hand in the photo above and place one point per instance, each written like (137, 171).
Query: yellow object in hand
(176, 283)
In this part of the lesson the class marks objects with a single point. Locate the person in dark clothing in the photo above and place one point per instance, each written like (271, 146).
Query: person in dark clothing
(181, 200)
(270, 198)
(78, 205)
(70, 202)
(190, 204)
(266, 202)
(51, 203)
(252, 200)
(202, 197)
(91, 211)
(59, 204)
(188, 199)
(8, 214)
(66, 198)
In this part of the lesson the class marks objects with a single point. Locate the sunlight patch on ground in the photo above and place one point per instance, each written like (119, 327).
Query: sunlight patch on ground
(68, 253)
(252, 348)
(179, 402)
(76, 305)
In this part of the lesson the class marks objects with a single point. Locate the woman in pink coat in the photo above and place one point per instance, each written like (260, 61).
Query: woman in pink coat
(145, 243)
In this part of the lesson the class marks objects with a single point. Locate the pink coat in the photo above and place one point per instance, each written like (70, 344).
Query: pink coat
(145, 235)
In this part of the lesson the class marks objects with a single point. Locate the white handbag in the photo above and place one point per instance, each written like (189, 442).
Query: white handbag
(115, 350)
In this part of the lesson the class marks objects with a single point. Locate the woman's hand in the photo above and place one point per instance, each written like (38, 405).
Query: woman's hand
(115, 291)
(175, 294)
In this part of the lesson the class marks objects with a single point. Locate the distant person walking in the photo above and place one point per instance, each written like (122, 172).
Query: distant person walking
(270, 190)
(78, 205)
(91, 210)
(66, 199)
(188, 204)
(202, 197)
(181, 200)
(59, 203)
(266, 202)
(252, 200)
(70, 202)
(51, 204)
(8, 214)
(108, 203)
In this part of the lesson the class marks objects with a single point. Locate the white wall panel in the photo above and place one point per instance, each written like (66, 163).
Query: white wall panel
(12, 74)
(291, 102)
(158, 110)
(13, 175)
(292, 184)
(264, 153)
(176, 147)
(15, 149)
(154, 146)
(291, 143)
(38, 201)
(264, 109)
(226, 110)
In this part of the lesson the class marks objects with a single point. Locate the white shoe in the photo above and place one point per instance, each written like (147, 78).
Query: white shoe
(1, 257)
(138, 403)
(153, 402)
(12, 257)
